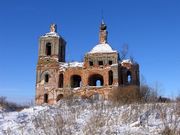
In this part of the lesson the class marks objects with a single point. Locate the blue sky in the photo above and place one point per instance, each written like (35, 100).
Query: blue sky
(151, 28)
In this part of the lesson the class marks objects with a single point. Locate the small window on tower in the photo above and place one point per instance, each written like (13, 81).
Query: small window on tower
(46, 78)
(48, 49)
(110, 62)
(100, 63)
(90, 63)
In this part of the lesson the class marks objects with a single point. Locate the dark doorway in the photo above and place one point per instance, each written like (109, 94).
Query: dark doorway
(45, 98)
(110, 77)
(60, 96)
(61, 80)
(96, 80)
(75, 81)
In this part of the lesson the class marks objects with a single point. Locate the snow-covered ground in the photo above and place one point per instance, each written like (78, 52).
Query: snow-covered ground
(80, 117)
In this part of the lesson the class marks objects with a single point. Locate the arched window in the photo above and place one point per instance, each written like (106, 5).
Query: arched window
(46, 78)
(75, 81)
(110, 77)
(129, 77)
(59, 97)
(45, 98)
(96, 80)
(48, 49)
(61, 80)
(90, 63)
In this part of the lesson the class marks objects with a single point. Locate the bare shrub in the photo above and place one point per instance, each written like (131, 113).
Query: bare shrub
(132, 93)
(171, 130)
(170, 119)
(2, 101)
(178, 98)
(98, 121)
(168, 131)
(125, 95)
(11, 105)
(148, 94)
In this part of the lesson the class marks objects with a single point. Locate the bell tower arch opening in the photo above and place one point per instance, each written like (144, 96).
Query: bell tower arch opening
(48, 49)
(129, 77)
(46, 78)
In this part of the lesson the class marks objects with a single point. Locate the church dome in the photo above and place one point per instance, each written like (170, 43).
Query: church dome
(102, 48)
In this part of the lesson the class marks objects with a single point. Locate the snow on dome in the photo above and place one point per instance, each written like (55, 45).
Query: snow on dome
(51, 34)
(102, 48)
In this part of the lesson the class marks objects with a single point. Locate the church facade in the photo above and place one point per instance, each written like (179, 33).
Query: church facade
(100, 71)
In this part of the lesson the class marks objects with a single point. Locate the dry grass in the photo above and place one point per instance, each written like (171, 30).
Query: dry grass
(125, 95)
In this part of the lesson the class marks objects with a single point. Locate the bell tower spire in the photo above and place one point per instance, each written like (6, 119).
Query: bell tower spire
(103, 33)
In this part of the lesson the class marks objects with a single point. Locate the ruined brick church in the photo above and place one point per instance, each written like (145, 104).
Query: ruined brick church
(95, 77)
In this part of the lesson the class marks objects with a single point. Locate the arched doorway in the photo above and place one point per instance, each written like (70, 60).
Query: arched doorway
(75, 81)
(61, 80)
(46, 98)
(46, 78)
(59, 97)
(96, 80)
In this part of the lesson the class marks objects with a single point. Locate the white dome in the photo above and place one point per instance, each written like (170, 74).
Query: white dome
(102, 48)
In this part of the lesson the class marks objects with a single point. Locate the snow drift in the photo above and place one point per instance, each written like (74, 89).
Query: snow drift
(78, 116)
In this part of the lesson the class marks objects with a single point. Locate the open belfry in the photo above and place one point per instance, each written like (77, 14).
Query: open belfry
(100, 72)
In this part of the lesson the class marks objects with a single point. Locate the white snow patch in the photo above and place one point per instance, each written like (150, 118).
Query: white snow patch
(86, 117)
(64, 66)
(51, 34)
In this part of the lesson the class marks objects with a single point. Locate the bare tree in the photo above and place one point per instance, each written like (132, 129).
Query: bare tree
(178, 98)
(124, 52)
(2, 100)
(147, 93)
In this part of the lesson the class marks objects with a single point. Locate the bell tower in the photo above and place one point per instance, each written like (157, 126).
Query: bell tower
(52, 45)
(51, 52)
(103, 33)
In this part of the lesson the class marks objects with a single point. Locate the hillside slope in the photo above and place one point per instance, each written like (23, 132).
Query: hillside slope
(92, 117)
